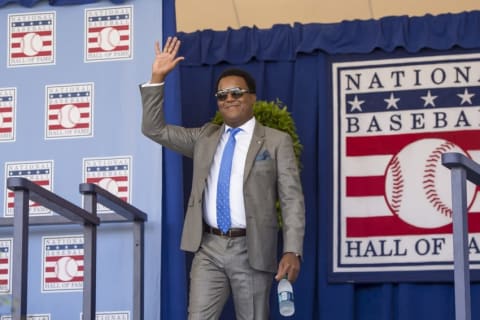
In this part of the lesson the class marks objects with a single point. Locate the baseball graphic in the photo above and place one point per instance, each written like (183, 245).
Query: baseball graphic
(418, 187)
(108, 38)
(110, 185)
(66, 268)
(31, 44)
(69, 116)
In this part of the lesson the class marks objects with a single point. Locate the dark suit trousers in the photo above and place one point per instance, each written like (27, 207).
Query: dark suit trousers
(221, 267)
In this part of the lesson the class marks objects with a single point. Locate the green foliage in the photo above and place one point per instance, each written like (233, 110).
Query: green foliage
(274, 114)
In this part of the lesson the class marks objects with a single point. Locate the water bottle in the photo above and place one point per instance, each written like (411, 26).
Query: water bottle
(285, 298)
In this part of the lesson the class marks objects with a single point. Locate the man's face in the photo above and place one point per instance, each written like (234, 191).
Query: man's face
(235, 109)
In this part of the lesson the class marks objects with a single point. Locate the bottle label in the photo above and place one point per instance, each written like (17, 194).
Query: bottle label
(285, 296)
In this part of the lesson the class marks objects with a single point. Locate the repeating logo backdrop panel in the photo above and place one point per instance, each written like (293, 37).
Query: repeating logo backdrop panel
(70, 113)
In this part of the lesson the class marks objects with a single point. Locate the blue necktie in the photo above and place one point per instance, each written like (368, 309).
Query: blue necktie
(223, 185)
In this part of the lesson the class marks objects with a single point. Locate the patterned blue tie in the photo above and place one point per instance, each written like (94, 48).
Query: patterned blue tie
(223, 185)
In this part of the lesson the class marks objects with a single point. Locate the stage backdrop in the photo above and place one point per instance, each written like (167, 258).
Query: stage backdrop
(376, 103)
(70, 113)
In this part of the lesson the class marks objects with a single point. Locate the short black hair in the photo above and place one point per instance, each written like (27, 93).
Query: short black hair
(252, 88)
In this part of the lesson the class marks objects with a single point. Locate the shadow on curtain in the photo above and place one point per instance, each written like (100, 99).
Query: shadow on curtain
(291, 63)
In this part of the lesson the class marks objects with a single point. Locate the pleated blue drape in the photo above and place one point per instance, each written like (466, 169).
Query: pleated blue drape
(174, 273)
(291, 63)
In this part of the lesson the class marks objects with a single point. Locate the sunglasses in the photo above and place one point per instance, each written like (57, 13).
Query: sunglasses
(236, 93)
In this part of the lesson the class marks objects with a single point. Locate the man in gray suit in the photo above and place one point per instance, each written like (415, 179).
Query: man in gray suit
(241, 259)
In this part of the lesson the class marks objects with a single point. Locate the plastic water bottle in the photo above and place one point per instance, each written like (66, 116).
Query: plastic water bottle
(285, 298)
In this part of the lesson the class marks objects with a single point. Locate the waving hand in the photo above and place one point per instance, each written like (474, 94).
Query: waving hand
(165, 60)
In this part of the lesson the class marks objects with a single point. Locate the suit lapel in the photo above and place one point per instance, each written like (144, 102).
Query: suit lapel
(209, 147)
(256, 144)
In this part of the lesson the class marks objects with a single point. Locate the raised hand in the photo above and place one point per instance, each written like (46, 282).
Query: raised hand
(166, 60)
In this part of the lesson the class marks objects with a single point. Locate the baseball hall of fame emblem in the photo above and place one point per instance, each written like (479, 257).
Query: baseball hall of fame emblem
(112, 174)
(31, 39)
(39, 172)
(393, 120)
(62, 263)
(69, 111)
(8, 108)
(109, 34)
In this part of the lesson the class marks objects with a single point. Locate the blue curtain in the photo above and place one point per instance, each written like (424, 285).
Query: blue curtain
(174, 278)
(291, 63)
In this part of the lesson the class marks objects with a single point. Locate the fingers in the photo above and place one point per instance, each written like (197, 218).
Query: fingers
(176, 47)
(280, 273)
(289, 265)
(292, 275)
(168, 44)
(157, 48)
(165, 60)
(290, 271)
(171, 46)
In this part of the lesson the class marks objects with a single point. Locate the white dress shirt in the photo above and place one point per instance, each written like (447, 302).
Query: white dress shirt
(237, 206)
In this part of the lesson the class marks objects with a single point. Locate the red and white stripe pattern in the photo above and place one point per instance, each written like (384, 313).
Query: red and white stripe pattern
(40, 172)
(8, 101)
(63, 262)
(365, 204)
(112, 174)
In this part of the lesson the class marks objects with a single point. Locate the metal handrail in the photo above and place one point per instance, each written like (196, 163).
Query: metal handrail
(94, 194)
(462, 169)
(24, 191)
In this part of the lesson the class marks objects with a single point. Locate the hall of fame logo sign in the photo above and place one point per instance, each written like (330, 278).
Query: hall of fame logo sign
(108, 34)
(30, 317)
(112, 174)
(69, 111)
(39, 172)
(62, 263)
(121, 315)
(5, 265)
(393, 119)
(8, 107)
(31, 39)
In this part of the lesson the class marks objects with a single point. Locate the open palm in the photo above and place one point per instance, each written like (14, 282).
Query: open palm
(165, 60)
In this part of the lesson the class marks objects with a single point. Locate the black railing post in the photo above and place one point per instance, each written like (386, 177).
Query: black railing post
(124, 212)
(462, 169)
(24, 191)
(90, 258)
(68, 213)
(20, 254)
(138, 267)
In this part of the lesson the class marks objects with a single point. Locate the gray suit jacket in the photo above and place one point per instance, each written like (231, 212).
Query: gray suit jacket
(271, 173)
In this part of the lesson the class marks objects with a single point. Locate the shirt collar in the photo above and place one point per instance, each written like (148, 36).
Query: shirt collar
(246, 127)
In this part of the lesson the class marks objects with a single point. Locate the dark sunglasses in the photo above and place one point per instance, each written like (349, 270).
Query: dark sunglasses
(236, 93)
